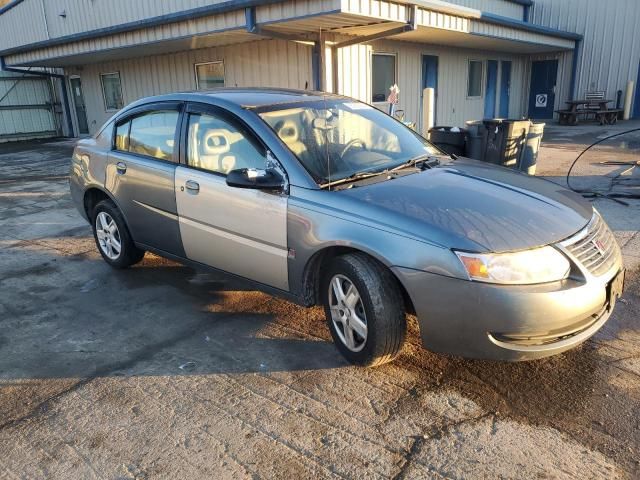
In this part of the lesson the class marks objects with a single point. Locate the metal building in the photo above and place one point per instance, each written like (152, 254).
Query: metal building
(484, 58)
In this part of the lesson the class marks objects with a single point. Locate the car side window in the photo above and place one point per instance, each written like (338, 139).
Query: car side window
(219, 146)
(153, 133)
(122, 137)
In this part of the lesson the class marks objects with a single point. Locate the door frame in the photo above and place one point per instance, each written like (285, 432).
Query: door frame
(505, 88)
(635, 113)
(76, 122)
(424, 58)
(491, 89)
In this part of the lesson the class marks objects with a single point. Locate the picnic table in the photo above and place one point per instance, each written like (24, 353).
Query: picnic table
(599, 108)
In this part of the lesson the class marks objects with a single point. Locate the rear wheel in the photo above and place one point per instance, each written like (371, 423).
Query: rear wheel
(364, 308)
(112, 236)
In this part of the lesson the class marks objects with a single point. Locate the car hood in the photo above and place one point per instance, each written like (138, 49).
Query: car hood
(471, 205)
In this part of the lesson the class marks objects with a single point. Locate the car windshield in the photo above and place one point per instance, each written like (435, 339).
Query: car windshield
(337, 139)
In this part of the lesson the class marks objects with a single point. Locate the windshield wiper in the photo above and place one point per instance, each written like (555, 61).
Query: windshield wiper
(353, 177)
(428, 160)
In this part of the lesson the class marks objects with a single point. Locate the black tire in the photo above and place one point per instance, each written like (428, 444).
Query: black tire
(383, 306)
(129, 254)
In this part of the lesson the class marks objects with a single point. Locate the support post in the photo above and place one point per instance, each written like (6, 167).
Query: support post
(627, 100)
(428, 110)
(574, 70)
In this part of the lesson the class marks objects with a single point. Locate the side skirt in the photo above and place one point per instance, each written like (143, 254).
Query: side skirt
(276, 292)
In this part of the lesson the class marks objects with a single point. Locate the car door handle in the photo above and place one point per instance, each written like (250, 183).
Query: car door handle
(121, 167)
(192, 186)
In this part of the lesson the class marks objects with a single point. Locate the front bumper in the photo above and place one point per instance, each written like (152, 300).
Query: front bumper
(498, 322)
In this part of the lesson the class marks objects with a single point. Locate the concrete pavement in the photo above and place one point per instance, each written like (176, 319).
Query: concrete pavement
(160, 371)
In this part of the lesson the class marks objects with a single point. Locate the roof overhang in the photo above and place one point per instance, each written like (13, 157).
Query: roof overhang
(227, 22)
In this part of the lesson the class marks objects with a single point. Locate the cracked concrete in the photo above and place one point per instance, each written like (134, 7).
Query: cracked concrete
(91, 384)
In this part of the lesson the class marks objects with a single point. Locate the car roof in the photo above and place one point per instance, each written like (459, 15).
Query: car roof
(243, 97)
(257, 97)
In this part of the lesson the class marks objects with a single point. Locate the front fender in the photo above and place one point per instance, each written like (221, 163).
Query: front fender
(312, 229)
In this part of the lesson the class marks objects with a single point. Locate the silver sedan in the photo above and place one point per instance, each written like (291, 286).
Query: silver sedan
(328, 201)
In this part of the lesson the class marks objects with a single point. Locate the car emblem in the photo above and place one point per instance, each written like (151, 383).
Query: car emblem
(599, 246)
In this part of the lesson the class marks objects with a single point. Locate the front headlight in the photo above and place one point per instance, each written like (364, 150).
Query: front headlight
(539, 265)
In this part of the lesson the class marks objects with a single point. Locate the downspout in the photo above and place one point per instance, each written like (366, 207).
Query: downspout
(574, 70)
(65, 96)
(526, 12)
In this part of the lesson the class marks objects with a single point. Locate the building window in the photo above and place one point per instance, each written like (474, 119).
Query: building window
(209, 75)
(383, 75)
(474, 87)
(111, 91)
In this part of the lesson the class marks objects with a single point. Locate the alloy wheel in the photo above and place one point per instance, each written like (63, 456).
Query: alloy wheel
(108, 235)
(347, 313)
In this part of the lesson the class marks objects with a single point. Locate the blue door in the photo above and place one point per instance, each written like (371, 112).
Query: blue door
(636, 105)
(505, 88)
(542, 94)
(430, 76)
(491, 90)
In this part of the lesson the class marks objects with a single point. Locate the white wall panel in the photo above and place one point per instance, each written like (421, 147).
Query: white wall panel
(267, 63)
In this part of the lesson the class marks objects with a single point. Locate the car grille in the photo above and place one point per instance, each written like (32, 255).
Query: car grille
(594, 247)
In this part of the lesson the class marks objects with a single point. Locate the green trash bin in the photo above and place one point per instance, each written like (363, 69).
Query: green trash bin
(529, 156)
(506, 140)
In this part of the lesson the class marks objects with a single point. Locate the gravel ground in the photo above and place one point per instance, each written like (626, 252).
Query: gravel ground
(164, 372)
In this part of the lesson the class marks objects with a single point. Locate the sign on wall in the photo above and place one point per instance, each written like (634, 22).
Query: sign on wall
(541, 100)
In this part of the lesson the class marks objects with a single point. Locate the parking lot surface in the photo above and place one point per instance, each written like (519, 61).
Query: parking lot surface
(161, 371)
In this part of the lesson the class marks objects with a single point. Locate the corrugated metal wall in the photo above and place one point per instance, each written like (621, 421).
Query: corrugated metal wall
(610, 53)
(453, 106)
(499, 7)
(263, 63)
(499, 31)
(26, 109)
(80, 16)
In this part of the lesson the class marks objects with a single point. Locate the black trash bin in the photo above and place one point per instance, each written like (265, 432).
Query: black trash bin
(448, 141)
(506, 140)
(475, 140)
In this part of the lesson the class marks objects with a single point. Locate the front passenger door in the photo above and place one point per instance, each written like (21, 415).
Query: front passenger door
(241, 231)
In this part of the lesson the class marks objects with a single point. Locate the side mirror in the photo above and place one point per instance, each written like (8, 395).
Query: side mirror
(254, 178)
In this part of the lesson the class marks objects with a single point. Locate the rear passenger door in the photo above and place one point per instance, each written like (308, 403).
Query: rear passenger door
(241, 231)
(140, 174)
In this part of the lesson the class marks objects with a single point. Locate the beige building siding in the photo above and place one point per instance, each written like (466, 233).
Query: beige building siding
(262, 63)
(380, 9)
(453, 106)
(498, 7)
(13, 22)
(610, 51)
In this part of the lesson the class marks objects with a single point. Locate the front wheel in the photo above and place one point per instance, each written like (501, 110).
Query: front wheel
(364, 308)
